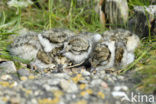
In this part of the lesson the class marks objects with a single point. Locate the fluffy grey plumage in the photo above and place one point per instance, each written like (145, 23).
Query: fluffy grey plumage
(54, 38)
(43, 60)
(120, 54)
(25, 46)
(103, 55)
(115, 50)
(130, 40)
(78, 48)
(52, 42)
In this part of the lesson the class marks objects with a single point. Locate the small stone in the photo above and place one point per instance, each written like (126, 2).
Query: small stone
(13, 84)
(6, 77)
(111, 80)
(54, 81)
(2, 102)
(5, 99)
(85, 73)
(5, 84)
(31, 77)
(68, 86)
(86, 92)
(81, 102)
(77, 78)
(49, 101)
(23, 78)
(114, 78)
(23, 72)
(101, 95)
(104, 84)
(83, 81)
(96, 82)
(57, 93)
(15, 101)
(7, 67)
(82, 86)
(54, 88)
(34, 101)
(60, 75)
(27, 91)
(121, 77)
(47, 87)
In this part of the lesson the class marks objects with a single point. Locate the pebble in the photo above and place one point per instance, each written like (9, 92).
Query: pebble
(7, 67)
(68, 86)
(104, 84)
(23, 72)
(6, 77)
(34, 101)
(23, 78)
(61, 75)
(2, 102)
(85, 73)
(14, 100)
(62, 88)
(54, 81)
(47, 87)
(96, 82)
(120, 77)
(31, 77)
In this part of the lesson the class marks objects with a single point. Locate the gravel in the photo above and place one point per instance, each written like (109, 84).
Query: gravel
(65, 88)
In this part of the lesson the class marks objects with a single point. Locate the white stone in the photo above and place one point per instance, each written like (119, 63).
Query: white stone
(68, 86)
(7, 67)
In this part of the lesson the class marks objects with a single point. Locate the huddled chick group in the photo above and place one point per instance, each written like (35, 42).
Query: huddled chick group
(55, 47)
(115, 49)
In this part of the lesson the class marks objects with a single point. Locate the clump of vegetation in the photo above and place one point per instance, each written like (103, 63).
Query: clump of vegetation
(146, 68)
(42, 15)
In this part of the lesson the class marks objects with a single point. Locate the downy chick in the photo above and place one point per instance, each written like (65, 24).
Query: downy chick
(54, 38)
(43, 61)
(124, 40)
(26, 45)
(103, 55)
(119, 46)
(78, 48)
(52, 42)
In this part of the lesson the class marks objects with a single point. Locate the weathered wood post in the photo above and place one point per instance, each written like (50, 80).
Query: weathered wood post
(115, 12)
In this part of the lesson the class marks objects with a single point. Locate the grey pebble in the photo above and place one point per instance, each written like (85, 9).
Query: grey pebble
(7, 67)
(68, 86)
(23, 72)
